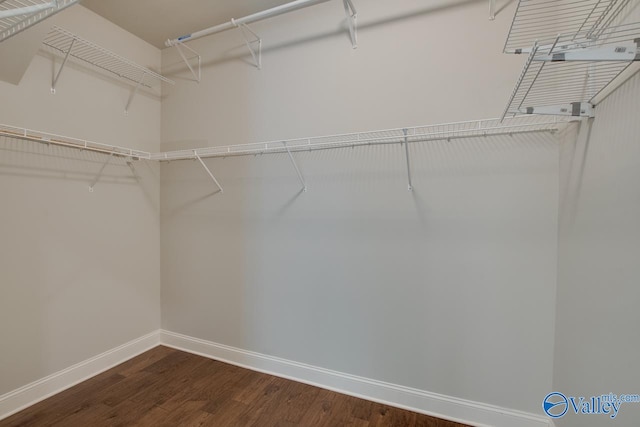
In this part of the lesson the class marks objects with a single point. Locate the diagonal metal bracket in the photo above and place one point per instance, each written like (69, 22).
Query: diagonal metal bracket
(352, 21)
(97, 178)
(253, 42)
(133, 94)
(195, 154)
(406, 152)
(187, 61)
(295, 165)
(54, 82)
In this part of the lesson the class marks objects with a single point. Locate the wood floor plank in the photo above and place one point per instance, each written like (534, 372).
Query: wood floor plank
(166, 387)
(133, 366)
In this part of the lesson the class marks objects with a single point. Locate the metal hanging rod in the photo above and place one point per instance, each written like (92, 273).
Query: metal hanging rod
(476, 128)
(68, 45)
(18, 15)
(65, 141)
(234, 23)
(543, 20)
(254, 41)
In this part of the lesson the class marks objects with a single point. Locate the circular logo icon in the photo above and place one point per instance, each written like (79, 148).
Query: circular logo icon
(555, 405)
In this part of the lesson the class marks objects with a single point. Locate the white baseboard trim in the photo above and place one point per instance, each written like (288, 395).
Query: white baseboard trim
(438, 405)
(25, 396)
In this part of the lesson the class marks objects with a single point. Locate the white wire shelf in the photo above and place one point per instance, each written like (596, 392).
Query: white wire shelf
(574, 68)
(467, 129)
(65, 141)
(11, 24)
(67, 44)
(404, 136)
(543, 20)
(476, 128)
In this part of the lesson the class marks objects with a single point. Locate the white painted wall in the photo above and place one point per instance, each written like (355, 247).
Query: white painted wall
(597, 349)
(450, 288)
(80, 270)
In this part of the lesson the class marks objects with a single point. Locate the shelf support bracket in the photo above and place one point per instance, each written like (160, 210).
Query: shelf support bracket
(352, 21)
(623, 51)
(406, 152)
(97, 178)
(64, 61)
(133, 94)
(295, 165)
(253, 42)
(492, 10)
(574, 109)
(186, 60)
(195, 154)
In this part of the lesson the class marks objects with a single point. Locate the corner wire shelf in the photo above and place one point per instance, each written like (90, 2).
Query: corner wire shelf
(572, 70)
(11, 24)
(404, 136)
(65, 141)
(468, 129)
(68, 45)
(543, 20)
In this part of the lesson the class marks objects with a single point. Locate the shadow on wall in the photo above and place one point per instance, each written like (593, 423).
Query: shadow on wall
(357, 266)
(29, 159)
(575, 151)
(177, 69)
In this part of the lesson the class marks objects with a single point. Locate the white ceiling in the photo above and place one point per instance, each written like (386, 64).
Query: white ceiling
(158, 20)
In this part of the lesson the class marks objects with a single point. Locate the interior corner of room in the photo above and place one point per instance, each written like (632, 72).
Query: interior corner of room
(428, 205)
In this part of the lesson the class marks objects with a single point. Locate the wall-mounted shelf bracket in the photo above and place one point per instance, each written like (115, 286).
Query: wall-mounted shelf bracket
(196, 76)
(574, 109)
(253, 42)
(352, 21)
(195, 154)
(64, 61)
(492, 10)
(97, 178)
(133, 93)
(621, 51)
(406, 153)
(295, 165)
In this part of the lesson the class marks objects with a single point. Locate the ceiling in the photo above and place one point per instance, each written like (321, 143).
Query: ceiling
(155, 21)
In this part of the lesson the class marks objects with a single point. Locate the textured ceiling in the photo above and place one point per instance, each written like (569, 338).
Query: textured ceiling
(158, 20)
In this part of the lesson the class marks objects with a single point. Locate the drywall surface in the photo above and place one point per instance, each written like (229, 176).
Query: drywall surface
(597, 349)
(449, 288)
(79, 270)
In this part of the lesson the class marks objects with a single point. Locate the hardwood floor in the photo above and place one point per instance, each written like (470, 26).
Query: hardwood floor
(166, 387)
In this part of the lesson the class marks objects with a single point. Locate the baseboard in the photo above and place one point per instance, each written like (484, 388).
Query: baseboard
(441, 406)
(30, 394)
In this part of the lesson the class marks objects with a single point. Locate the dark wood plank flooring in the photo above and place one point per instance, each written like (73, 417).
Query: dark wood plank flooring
(166, 387)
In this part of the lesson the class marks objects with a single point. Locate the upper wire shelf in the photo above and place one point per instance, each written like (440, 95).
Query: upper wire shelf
(476, 128)
(573, 69)
(18, 15)
(67, 44)
(543, 20)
